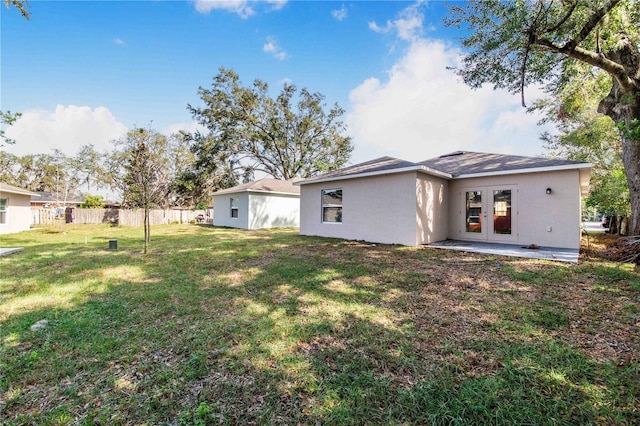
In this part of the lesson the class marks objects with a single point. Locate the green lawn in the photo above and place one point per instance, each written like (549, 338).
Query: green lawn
(269, 327)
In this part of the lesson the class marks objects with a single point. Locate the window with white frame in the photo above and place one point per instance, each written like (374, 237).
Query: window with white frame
(3, 210)
(234, 207)
(332, 205)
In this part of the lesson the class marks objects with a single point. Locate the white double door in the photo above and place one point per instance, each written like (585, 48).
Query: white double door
(490, 213)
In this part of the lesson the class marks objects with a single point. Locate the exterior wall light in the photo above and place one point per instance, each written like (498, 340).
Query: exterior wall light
(548, 191)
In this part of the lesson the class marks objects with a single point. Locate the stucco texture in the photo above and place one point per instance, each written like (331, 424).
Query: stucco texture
(18, 215)
(549, 220)
(257, 210)
(413, 208)
(398, 208)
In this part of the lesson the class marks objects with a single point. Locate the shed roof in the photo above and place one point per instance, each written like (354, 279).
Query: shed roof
(4, 187)
(267, 185)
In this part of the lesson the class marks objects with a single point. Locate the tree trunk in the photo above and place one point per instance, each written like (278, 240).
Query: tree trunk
(622, 104)
(624, 225)
(631, 161)
(613, 225)
(146, 229)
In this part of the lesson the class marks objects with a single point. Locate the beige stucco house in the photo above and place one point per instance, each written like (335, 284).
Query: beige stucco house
(15, 209)
(264, 203)
(465, 196)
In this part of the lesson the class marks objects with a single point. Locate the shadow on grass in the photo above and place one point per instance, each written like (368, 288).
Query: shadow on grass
(270, 327)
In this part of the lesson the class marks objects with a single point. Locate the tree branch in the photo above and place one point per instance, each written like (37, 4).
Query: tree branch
(564, 19)
(572, 49)
(592, 58)
(590, 24)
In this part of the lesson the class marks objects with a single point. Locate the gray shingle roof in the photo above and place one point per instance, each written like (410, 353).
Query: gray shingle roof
(449, 166)
(51, 197)
(264, 185)
(465, 162)
(378, 165)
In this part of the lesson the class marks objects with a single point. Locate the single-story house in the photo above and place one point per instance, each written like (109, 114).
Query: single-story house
(44, 200)
(263, 203)
(15, 208)
(468, 196)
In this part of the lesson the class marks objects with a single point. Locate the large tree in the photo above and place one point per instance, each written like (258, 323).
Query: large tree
(88, 167)
(585, 135)
(38, 172)
(286, 137)
(199, 171)
(513, 44)
(56, 173)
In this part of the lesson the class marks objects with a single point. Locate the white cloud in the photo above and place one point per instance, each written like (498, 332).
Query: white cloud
(277, 4)
(380, 30)
(284, 81)
(271, 46)
(340, 14)
(241, 7)
(423, 110)
(189, 127)
(408, 25)
(67, 128)
(119, 41)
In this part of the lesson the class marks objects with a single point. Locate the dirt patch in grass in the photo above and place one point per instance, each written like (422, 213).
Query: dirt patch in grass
(595, 245)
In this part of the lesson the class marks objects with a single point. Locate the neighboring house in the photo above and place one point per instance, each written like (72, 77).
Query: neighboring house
(463, 196)
(44, 200)
(264, 203)
(15, 208)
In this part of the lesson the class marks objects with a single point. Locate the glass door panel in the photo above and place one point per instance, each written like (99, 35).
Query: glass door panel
(489, 213)
(502, 224)
(474, 211)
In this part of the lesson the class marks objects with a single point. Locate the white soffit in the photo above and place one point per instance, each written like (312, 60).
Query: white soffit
(579, 166)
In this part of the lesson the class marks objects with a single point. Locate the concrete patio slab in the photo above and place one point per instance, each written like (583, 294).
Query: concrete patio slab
(8, 251)
(513, 250)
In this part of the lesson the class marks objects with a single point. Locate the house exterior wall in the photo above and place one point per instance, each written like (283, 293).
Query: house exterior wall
(551, 220)
(222, 211)
(432, 209)
(273, 210)
(378, 209)
(18, 213)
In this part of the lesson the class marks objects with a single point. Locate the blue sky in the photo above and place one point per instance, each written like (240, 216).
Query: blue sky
(86, 71)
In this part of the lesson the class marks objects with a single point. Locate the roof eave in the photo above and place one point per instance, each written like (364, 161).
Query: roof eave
(579, 166)
(17, 192)
(422, 169)
(434, 172)
(585, 178)
(259, 191)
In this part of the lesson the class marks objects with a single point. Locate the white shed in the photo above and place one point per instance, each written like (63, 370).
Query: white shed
(263, 203)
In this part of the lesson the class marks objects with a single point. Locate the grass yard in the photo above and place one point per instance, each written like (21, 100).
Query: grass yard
(221, 326)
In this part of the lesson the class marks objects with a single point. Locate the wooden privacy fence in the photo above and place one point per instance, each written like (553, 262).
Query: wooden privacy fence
(116, 216)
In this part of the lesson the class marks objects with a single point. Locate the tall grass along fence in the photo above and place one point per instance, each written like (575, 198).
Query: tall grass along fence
(117, 216)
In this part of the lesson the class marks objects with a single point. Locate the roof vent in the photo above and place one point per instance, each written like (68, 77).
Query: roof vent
(452, 154)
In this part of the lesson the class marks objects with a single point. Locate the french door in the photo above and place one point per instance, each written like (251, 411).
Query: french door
(490, 213)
